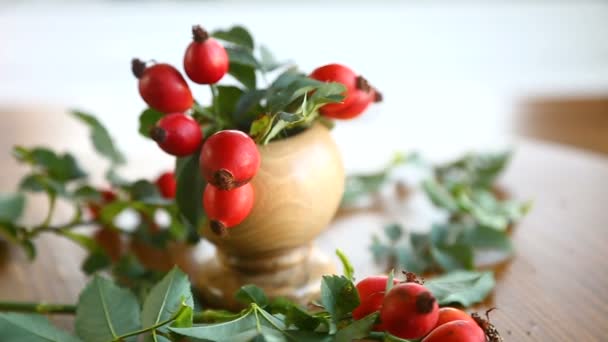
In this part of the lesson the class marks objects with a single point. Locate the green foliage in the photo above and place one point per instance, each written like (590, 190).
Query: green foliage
(251, 294)
(11, 206)
(461, 287)
(147, 120)
(102, 141)
(31, 328)
(339, 297)
(105, 311)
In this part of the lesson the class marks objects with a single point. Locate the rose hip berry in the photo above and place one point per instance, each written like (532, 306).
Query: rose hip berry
(206, 60)
(341, 74)
(162, 87)
(409, 311)
(167, 185)
(448, 314)
(371, 295)
(177, 134)
(456, 331)
(227, 208)
(360, 99)
(229, 159)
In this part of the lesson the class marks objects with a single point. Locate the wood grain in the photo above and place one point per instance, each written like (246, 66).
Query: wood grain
(555, 289)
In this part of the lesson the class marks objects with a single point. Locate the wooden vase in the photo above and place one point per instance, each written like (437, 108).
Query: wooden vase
(297, 192)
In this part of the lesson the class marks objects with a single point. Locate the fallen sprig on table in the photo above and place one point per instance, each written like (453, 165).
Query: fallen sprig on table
(479, 218)
(106, 312)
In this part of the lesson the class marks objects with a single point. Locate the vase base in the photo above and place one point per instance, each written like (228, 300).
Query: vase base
(295, 275)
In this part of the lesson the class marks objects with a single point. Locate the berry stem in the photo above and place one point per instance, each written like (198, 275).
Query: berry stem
(199, 34)
(137, 67)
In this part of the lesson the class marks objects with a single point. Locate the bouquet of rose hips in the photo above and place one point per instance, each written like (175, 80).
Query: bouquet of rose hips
(225, 133)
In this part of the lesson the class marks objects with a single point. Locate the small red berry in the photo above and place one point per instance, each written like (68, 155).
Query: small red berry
(449, 314)
(229, 159)
(361, 98)
(162, 87)
(341, 74)
(409, 311)
(107, 197)
(177, 134)
(110, 240)
(371, 295)
(206, 60)
(456, 331)
(167, 185)
(227, 208)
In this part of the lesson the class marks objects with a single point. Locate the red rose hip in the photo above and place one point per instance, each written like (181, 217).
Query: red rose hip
(167, 185)
(206, 60)
(229, 159)
(177, 134)
(227, 208)
(361, 98)
(341, 74)
(456, 331)
(371, 295)
(409, 311)
(448, 314)
(162, 87)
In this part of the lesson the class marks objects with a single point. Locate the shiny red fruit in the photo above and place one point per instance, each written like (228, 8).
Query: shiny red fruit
(448, 314)
(341, 74)
(162, 87)
(177, 134)
(360, 100)
(371, 295)
(229, 159)
(456, 331)
(409, 311)
(206, 60)
(227, 208)
(167, 185)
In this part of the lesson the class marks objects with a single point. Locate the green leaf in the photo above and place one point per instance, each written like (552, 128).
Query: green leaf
(147, 192)
(357, 329)
(439, 195)
(393, 232)
(87, 193)
(244, 74)
(40, 183)
(260, 127)
(294, 314)
(11, 206)
(147, 120)
(190, 186)
(484, 238)
(17, 327)
(339, 296)
(109, 212)
(478, 170)
(253, 323)
(241, 56)
(248, 294)
(267, 60)
(227, 98)
(101, 139)
(236, 35)
(184, 319)
(461, 287)
(349, 270)
(96, 261)
(389, 282)
(247, 109)
(61, 168)
(453, 257)
(105, 311)
(13, 234)
(166, 298)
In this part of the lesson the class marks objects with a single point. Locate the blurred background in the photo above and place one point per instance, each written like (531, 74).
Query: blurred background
(455, 75)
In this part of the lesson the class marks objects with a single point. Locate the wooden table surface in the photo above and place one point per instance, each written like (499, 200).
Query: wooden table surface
(555, 289)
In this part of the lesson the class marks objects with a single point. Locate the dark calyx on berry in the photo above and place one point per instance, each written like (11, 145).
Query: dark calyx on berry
(378, 96)
(425, 303)
(219, 229)
(137, 67)
(363, 84)
(158, 134)
(199, 34)
(488, 328)
(224, 180)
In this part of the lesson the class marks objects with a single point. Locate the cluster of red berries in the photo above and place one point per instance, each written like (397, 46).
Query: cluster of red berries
(410, 311)
(359, 93)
